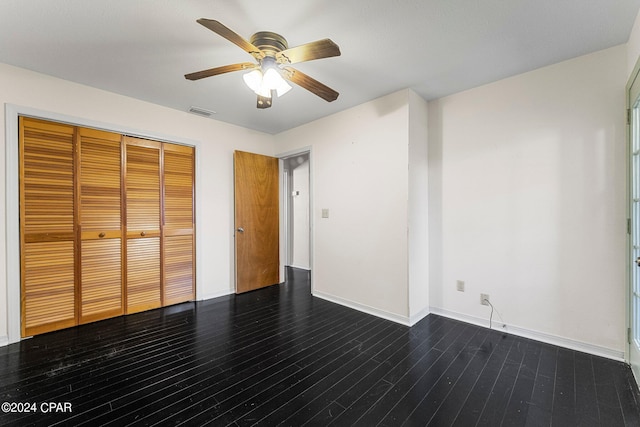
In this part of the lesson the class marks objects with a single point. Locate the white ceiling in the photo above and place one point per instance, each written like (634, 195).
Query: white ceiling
(143, 48)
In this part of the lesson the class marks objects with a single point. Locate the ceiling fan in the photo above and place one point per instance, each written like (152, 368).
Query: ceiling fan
(272, 71)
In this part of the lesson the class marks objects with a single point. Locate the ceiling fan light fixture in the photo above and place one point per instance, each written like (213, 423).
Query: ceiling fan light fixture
(274, 81)
(263, 84)
(271, 78)
(263, 91)
(253, 80)
(283, 88)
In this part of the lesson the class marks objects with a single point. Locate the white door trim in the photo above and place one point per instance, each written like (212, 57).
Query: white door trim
(284, 234)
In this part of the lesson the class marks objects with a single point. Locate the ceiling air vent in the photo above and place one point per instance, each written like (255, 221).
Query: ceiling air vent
(201, 112)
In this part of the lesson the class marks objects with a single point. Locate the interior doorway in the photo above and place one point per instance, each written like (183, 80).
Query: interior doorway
(633, 111)
(296, 204)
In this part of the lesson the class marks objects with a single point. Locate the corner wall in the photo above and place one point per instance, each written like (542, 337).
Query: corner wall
(360, 174)
(527, 202)
(214, 141)
(418, 219)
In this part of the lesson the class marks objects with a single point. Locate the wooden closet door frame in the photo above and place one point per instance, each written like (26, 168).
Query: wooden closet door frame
(13, 113)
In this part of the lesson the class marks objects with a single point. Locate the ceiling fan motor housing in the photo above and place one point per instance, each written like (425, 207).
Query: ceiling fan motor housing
(269, 43)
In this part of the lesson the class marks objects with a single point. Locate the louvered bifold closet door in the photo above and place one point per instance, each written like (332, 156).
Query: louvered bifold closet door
(178, 229)
(99, 181)
(47, 226)
(142, 189)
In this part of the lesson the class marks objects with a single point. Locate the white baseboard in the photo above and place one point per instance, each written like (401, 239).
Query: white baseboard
(216, 294)
(419, 316)
(4, 340)
(535, 335)
(403, 320)
(299, 268)
(569, 343)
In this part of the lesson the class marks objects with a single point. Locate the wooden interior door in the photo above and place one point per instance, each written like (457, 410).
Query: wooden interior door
(142, 196)
(178, 238)
(256, 221)
(100, 219)
(47, 230)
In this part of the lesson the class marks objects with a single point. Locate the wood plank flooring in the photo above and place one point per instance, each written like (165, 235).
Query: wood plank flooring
(278, 356)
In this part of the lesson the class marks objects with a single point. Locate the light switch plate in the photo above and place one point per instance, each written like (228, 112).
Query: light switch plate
(325, 213)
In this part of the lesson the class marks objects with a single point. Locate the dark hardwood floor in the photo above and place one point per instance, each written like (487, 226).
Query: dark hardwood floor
(279, 356)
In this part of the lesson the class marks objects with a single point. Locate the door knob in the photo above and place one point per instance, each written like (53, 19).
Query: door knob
(101, 235)
(241, 230)
(142, 233)
(638, 261)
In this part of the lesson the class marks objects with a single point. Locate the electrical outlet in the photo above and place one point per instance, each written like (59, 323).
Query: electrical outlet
(484, 299)
(460, 285)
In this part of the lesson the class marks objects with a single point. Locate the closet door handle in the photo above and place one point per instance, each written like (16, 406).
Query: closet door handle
(240, 229)
(142, 233)
(101, 235)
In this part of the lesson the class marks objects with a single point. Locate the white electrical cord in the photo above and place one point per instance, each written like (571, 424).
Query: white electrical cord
(490, 316)
(504, 325)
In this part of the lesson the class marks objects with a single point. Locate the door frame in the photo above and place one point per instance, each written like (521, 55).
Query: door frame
(630, 262)
(284, 209)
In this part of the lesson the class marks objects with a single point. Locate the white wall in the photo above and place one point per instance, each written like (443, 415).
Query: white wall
(360, 174)
(526, 195)
(633, 46)
(527, 201)
(214, 141)
(300, 211)
(418, 214)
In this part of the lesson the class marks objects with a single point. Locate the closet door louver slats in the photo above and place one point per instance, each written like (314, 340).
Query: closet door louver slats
(143, 224)
(100, 219)
(178, 230)
(47, 226)
(106, 225)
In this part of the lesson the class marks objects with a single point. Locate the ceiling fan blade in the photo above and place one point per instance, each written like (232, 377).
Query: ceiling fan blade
(220, 70)
(307, 52)
(232, 36)
(310, 84)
